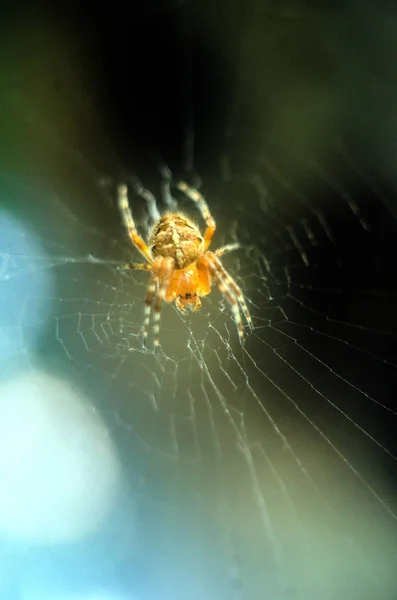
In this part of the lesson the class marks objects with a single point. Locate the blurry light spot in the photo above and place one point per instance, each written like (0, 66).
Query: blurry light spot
(59, 474)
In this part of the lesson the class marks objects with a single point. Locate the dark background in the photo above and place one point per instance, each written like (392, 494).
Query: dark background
(304, 96)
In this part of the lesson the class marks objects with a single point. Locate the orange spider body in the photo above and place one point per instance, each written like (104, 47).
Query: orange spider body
(182, 267)
(187, 286)
(177, 237)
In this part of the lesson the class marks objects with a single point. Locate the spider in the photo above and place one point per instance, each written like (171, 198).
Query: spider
(182, 267)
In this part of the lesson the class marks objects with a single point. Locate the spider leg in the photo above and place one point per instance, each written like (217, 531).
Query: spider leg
(130, 224)
(142, 266)
(163, 269)
(227, 248)
(198, 198)
(168, 198)
(235, 288)
(148, 305)
(231, 291)
(231, 298)
(148, 197)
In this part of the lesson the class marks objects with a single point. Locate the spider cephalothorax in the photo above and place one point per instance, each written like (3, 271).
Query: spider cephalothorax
(182, 267)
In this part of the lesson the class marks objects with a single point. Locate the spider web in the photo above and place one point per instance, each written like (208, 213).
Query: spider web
(262, 471)
(265, 467)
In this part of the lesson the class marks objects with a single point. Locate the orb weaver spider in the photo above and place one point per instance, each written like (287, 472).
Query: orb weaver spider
(182, 267)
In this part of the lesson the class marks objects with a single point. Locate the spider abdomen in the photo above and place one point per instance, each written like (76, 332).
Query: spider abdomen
(176, 236)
